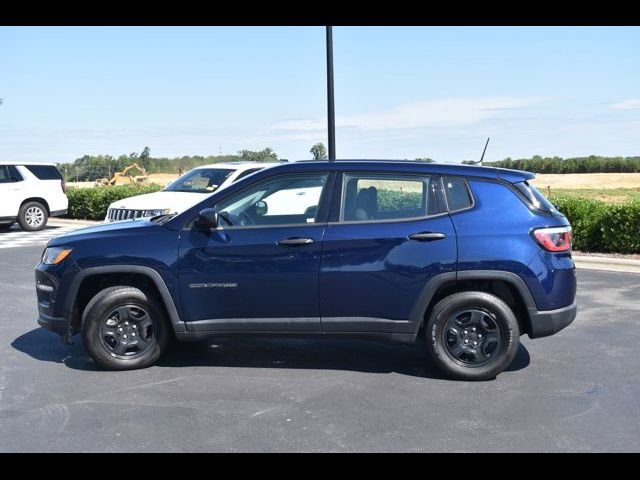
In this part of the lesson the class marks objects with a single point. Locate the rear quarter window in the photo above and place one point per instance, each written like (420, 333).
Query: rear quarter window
(458, 195)
(44, 172)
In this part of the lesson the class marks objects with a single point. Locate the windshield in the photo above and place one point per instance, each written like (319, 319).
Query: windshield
(200, 180)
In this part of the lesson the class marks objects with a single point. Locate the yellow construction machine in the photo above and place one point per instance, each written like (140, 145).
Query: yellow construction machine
(120, 178)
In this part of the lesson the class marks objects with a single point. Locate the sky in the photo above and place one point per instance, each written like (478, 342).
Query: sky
(400, 92)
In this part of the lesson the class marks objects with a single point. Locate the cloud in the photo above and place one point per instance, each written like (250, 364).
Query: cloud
(627, 105)
(449, 112)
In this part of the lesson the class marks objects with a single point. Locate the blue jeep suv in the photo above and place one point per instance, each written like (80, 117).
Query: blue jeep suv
(468, 257)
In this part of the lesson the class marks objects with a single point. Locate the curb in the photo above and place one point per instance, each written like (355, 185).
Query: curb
(69, 221)
(607, 263)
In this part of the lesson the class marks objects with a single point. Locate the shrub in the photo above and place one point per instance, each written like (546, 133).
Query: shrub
(602, 227)
(389, 200)
(92, 203)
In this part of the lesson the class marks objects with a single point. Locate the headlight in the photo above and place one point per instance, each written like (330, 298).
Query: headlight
(55, 255)
(156, 212)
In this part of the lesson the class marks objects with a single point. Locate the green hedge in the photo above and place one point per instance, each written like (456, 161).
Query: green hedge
(602, 227)
(389, 200)
(92, 203)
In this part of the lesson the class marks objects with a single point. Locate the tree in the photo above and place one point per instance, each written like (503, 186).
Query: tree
(266, 155)
(425, 159)
(146, 153)
(319, 151)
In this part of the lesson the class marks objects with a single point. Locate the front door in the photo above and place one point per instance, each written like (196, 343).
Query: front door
(392, 237)
(258, 271)
(9, 192)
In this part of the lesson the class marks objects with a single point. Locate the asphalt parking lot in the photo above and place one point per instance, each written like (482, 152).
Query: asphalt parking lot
(576, 391)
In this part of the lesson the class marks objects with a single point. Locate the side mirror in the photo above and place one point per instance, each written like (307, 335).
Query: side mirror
(261, 208)
(207, 219)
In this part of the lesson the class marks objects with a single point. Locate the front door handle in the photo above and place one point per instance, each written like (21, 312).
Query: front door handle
(295, 242)
(427, 236)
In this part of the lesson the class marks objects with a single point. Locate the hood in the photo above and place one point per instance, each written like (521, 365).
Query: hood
(102, 230)
(175, 201)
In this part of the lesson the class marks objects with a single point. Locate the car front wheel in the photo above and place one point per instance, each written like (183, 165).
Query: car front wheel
(472, 335)
(124, 328)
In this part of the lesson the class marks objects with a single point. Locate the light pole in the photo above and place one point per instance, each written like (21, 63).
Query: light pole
(331, 121)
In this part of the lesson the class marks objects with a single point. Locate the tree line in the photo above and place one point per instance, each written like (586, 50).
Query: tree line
(591, 164)
(91, 167)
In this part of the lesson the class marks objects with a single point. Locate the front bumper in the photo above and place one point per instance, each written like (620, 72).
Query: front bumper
(55, 324)
(545, 323)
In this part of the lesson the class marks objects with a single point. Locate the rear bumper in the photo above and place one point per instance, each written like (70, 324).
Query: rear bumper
(545, 323)
(55, 324)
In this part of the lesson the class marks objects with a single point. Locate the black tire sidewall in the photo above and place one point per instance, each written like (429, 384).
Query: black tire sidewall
(101, 305)
(468, 300)
(23, 211)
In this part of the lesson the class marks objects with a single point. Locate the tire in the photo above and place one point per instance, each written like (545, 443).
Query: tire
(104, 330)
(33, 216)
(463, 318)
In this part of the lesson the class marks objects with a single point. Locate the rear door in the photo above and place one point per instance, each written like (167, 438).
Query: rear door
(392, 235)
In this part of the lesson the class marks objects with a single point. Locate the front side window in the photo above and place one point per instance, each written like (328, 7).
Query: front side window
(386, 197)
(200, 180)
(286, 200)
(9, 173)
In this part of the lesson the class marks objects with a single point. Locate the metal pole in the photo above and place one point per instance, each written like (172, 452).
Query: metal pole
(330, 108)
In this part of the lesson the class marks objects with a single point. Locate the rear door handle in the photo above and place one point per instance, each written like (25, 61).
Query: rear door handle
(427, 236)
(295, 242)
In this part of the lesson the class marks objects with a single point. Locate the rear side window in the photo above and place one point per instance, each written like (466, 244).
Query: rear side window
(535, 198)
(44, 172)
(381, 197)
(458, 195)
(9, 173)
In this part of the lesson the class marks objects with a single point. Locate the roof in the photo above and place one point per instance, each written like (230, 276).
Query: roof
(239, 165)
(414, 167)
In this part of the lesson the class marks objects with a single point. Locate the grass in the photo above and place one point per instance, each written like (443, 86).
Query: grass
(609, 195)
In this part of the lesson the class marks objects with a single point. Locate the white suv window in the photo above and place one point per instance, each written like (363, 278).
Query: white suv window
(287, 200)
(9, 173)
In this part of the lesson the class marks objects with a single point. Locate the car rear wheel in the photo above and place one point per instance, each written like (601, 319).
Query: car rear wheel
(33, 216)
(472, 335)
(123, 328)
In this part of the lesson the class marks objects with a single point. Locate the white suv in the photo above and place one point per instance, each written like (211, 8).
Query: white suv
(30, 193)
(183, 192)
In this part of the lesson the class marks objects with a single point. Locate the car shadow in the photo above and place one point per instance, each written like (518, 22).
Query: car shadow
(263, 352)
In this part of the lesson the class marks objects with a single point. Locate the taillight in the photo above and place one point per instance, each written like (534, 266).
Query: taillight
(556, 239)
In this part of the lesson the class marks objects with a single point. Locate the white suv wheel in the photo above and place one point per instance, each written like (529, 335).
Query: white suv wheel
(34, 217)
